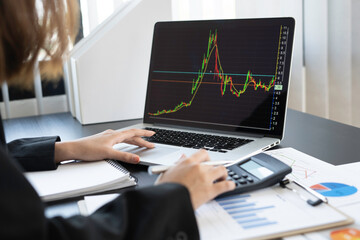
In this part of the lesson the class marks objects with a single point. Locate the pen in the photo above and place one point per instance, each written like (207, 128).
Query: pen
(163, 168)
(310, 190)
(320, 198)
(158, 169)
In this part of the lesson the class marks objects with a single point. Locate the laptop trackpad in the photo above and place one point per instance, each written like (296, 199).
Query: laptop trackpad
(158, 155)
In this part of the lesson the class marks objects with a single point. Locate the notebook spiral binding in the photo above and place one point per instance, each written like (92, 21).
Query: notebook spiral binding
(119, 167)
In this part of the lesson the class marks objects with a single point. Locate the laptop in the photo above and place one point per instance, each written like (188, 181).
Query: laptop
(221, 85)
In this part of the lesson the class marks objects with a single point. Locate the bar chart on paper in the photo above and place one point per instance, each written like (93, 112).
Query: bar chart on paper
(261, 214)
(245, 212)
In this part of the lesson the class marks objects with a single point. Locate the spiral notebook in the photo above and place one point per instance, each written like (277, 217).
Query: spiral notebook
(79, 178)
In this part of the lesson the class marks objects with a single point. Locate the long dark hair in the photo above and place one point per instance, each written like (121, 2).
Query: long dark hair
(30, 30)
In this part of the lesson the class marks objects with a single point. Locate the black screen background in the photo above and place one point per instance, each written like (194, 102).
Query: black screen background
(244, 45)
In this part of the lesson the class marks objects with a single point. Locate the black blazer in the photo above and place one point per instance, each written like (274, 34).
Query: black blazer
(158, 212)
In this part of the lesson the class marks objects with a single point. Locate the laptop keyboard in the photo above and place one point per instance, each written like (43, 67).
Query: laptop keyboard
(195, 140)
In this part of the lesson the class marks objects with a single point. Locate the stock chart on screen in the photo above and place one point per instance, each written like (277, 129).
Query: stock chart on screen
(219, 74)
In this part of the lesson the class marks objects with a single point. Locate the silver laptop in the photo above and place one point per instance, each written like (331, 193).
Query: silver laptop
(221, 85)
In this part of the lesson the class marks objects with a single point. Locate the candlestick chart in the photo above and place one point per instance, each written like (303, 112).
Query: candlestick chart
(220, 75)
(226, 81)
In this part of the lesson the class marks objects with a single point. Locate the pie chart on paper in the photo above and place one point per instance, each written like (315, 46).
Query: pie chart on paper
(332, 189)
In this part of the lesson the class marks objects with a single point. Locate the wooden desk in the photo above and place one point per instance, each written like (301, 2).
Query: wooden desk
(327, 140)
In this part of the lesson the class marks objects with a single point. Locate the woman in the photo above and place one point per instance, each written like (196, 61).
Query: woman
(164, 211)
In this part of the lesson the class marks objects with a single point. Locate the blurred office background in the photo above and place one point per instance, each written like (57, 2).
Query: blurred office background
(325, 78)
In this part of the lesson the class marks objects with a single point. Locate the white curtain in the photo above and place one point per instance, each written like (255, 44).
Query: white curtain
(332, 59)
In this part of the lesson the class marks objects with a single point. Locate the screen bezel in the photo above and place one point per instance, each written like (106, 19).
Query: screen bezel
(278, 133)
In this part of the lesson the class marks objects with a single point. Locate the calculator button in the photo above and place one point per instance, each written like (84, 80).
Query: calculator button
(250, 179)
(231, 173)
(236, 176)
(242, 181)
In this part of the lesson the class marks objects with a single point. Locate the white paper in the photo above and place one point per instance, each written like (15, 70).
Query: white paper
(93, 203)
(311, 171)
(350, 167)
(260, 214)
(352, 210)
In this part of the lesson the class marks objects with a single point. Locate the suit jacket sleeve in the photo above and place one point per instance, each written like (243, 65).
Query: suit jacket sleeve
(34, 154)
(157, 212)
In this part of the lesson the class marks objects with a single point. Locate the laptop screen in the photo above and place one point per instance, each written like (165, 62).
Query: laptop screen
(221, 74)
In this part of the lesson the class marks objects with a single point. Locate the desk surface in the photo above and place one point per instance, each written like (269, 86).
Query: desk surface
(327, 140)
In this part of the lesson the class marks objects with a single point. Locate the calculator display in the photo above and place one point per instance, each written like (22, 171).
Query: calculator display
(256, 169)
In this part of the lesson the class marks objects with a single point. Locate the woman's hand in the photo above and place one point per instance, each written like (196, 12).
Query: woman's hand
(100, 146)
(198, 178)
